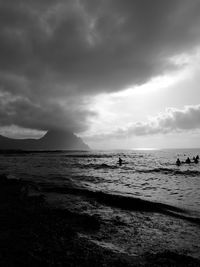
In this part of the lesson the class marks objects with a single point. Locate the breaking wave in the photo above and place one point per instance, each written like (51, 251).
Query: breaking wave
(96, 166)
(125, 202)
(162, 170)
(170, 171)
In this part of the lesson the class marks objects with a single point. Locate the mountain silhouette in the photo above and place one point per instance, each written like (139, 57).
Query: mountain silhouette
(52, 140)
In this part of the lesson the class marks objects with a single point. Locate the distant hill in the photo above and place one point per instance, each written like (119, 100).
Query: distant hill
(52, 140)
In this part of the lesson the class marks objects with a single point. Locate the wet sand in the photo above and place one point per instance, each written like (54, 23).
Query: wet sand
(33, 233)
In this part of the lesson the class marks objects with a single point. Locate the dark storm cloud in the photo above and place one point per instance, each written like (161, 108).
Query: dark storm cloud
(54, 54)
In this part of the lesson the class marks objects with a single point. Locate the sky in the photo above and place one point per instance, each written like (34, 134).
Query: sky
(118, 73)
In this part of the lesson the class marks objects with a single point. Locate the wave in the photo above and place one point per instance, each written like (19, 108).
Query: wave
(162, 170)
(170, 171)
(96, 166)
(126, 202)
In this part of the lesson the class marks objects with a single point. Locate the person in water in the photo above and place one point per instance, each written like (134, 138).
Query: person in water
(120, 161)
(188, 160)
(178, 162)
(196, 160)
(197, 157)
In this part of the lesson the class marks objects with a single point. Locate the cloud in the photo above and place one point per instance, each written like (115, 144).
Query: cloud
(21, 111)
(170, 121)
(55, 55)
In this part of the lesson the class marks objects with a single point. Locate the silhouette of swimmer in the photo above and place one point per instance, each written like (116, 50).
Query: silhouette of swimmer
(178, 162)
(196, 160)
(120, 161)
(188, 160)
(197, 157)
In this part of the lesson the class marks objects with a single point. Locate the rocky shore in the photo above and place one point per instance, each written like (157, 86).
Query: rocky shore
(34, 234)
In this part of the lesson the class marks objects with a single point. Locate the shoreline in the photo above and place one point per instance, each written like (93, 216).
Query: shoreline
(33, 233)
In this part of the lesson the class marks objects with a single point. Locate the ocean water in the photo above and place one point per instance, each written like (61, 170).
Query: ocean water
(150, 175)
(92, 182)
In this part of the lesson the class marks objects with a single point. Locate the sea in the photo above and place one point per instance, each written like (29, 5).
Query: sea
(92, 182)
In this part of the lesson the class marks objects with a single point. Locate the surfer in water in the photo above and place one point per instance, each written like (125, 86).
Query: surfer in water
(188, 161)
(178, 162)
(120, 161)
(196, 160)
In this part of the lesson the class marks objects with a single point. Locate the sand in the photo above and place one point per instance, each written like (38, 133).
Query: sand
(32, 233)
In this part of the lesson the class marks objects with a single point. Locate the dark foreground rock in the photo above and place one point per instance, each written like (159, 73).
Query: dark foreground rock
(33, 234)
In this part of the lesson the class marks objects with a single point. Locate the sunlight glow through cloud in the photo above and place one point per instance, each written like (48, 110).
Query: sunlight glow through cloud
(139, 105)
(105, 105)
(157, 83)
(94, 67)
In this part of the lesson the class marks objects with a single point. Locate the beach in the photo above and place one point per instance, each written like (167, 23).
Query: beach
(99, 133)
(33, 233)
(53, 221)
